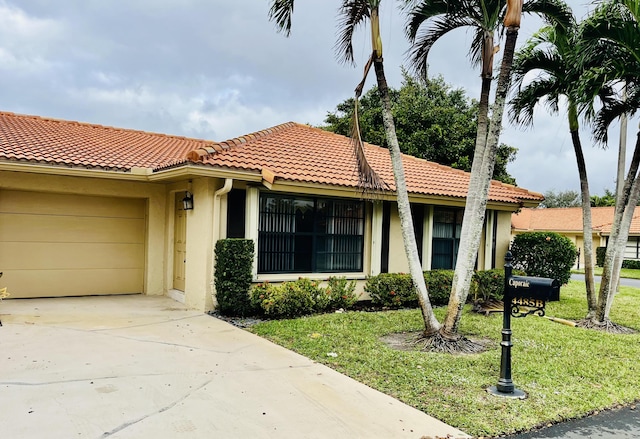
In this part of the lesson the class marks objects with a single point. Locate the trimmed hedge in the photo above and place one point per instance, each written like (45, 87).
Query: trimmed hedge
(600, 253)
(302, 297)
(393, 290)
(234, 260)
(439, 286)
(544, 254)
(631, 264)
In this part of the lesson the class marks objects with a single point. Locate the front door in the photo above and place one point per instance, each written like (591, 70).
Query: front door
(179, 243)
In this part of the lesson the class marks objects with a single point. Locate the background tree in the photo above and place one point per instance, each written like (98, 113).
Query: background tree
(608, 199)
(353, 13)
(433, 121)
(554, 199)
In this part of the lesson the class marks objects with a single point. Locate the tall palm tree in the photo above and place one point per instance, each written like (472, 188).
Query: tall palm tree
(552, 53)
(484, 16)
(353, 13)
(613, 29)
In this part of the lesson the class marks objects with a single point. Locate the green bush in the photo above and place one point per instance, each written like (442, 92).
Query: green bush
(303, 296)
(234, 259)
(392, 290)
(600, 253)
(489, 284)
(544, 254)
(631, 264)
(287, 300)
(341, 293)
(439, 285)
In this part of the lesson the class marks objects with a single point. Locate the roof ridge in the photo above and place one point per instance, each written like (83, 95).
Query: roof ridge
(199, 154)
(99, 126)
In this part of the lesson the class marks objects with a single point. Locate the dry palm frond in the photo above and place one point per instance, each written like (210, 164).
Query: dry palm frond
(369, 181)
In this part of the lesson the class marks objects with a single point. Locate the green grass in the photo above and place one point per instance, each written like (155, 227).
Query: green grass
(625, 272)
(567, 372)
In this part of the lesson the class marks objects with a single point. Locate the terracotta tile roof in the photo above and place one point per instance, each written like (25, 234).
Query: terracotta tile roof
(290, 152)
(569, 219)
(42, 140)
(297, 152)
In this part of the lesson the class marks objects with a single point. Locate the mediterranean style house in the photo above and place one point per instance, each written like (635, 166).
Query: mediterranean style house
(567, 221)
(93, 210)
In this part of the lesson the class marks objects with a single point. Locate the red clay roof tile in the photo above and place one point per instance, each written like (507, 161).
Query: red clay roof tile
(569, 219)
(290, 151)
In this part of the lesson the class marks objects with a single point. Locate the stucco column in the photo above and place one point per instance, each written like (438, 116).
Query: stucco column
(376, 239)
(252, 212)
(199, 265)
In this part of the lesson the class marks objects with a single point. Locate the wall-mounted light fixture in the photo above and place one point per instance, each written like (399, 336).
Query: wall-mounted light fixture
(187, 201)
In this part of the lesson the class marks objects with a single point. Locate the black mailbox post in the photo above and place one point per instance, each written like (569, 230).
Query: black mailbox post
(523, 295)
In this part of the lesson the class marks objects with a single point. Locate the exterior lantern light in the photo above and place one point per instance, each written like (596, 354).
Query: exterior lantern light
(187, 201)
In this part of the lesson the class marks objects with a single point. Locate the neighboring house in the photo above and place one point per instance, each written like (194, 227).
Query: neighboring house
(87, 209)
(568, 222)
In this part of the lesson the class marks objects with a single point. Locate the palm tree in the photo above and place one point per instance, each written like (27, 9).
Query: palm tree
(613, 31)
(552, 53)
(440, 17)
(353, 13)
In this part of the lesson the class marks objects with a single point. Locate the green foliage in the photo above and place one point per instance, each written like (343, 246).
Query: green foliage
(600, 254)
(393, 290)
(302, 297)
(489, 284)
(433, 122)
(554, 199)
(341, 293)
(544, 254)
(289, 299)
(608, 199)
(234, 259)
(631, 264)
(439, 285)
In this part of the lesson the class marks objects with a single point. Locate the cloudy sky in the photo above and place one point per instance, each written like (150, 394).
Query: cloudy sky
(217, 69)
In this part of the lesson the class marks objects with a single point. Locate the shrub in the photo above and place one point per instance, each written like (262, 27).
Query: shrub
(289, 299)
(544, 254)
(439, 285)
(393, 290)
(631, 264)
(600, 253)
(489, 284)
(341, 293)
(234, 259)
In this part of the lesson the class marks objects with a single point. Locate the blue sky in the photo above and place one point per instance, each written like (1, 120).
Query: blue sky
(217, 69)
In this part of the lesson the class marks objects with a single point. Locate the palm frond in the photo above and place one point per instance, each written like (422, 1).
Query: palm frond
(522, 105)
(554, 12)
(280, 12)
(351, 13)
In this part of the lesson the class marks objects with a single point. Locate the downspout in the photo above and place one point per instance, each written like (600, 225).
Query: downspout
(228, 184)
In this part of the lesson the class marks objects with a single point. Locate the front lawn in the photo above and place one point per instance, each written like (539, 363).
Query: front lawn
(567, 372)
(628, 273)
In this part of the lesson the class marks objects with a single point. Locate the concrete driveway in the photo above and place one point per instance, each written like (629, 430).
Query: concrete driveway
(147, 367)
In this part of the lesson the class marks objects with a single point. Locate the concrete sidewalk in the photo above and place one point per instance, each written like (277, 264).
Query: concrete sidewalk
(147, 367)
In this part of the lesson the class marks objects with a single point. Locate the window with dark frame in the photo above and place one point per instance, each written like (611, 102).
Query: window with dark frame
(447, 223)
(310, 235)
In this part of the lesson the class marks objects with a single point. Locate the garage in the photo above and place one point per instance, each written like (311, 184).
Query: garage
(56, 245)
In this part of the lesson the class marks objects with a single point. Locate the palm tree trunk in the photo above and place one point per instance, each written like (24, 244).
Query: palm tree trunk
(587, 231)
(431, 324)
(625, 207)
(474, 212)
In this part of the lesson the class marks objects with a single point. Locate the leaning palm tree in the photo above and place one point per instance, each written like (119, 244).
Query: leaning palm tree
(552, 54)
(354, 13)
(613, 30)
(484, 16)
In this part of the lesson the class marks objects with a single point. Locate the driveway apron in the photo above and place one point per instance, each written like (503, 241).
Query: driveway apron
(148, 367)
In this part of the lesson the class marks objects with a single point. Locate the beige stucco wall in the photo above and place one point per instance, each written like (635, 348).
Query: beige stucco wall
(154, 194)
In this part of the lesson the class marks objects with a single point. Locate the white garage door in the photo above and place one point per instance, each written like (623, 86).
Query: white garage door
(71, 245)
